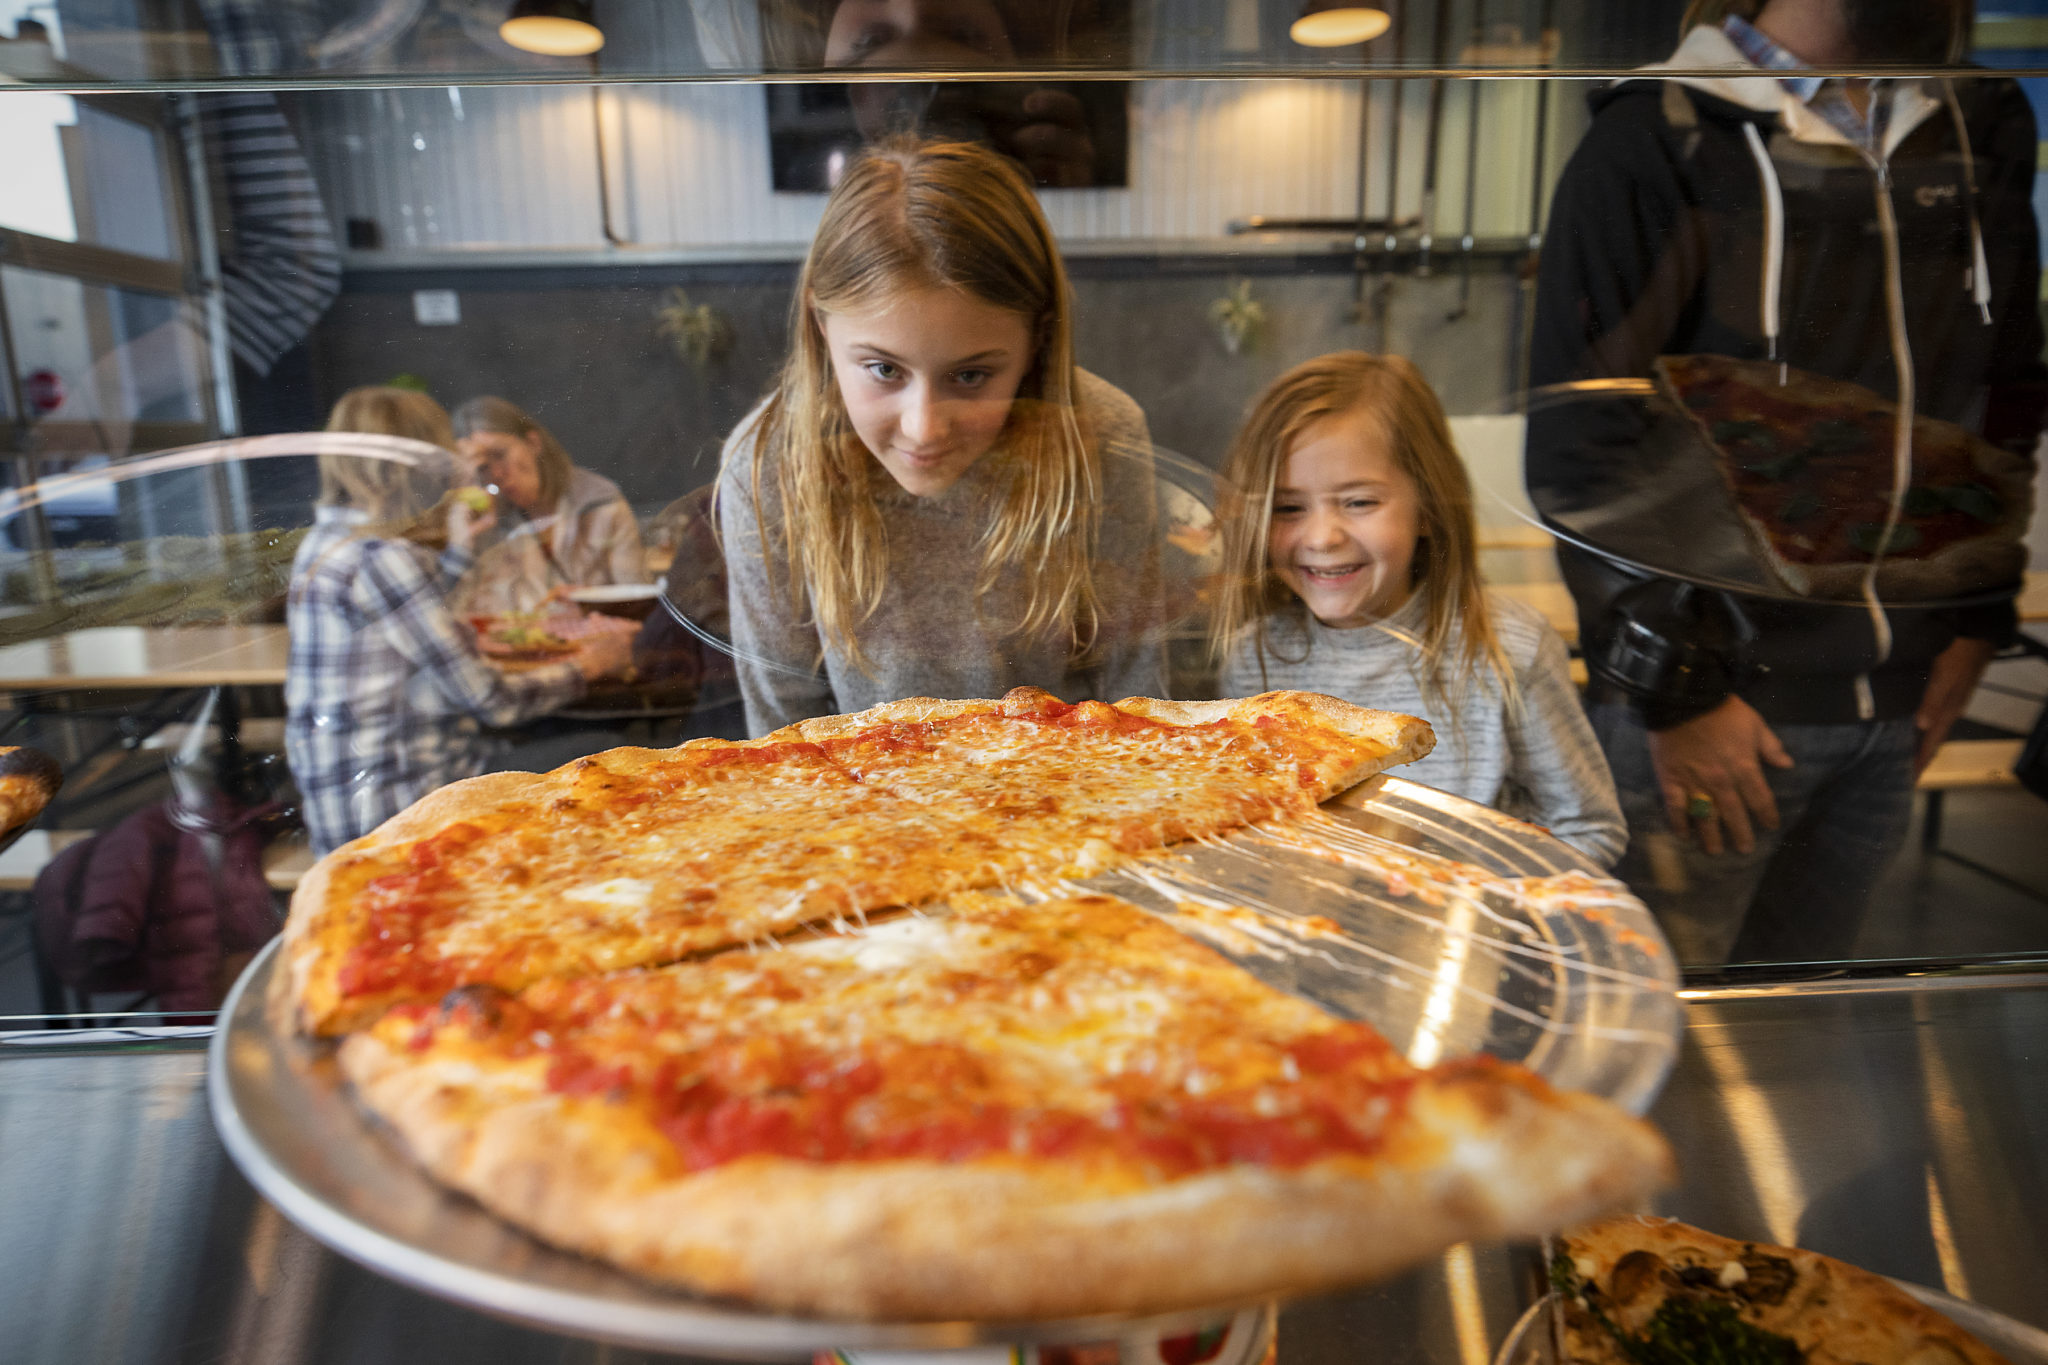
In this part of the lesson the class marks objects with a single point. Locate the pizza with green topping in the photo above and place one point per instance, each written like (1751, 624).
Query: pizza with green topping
(1655, 1291)
(1811, 465)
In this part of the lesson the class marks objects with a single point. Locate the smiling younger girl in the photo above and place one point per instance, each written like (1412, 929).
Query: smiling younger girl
(1352, 569)
(935, 501)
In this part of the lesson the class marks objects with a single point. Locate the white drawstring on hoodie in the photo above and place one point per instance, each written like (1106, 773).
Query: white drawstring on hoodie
(1977, 281)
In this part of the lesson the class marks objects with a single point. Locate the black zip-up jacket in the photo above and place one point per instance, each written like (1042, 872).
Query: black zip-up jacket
(1658, 244)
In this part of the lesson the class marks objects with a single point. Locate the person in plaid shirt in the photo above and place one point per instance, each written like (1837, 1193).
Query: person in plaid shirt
(386, 696)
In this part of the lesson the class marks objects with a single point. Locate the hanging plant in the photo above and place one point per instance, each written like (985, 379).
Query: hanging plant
(1238, 318)
(699, 332)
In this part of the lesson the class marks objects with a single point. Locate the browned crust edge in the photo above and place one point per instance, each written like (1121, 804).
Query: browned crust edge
(1859, 1303)
(920, 1240)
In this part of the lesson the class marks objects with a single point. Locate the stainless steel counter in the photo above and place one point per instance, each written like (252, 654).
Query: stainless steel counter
(1906, 1130)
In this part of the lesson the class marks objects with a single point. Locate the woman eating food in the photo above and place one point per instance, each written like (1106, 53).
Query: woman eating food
(560, 527)
(386, 695)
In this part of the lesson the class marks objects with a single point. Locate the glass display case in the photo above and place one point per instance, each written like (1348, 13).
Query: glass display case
(403, 390)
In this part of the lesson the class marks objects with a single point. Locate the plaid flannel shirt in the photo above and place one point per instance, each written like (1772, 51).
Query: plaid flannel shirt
(385, 693)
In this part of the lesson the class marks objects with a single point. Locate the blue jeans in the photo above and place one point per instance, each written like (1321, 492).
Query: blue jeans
(1843, 810)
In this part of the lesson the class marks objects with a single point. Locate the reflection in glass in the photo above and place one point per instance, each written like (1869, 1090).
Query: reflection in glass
(1787, 342)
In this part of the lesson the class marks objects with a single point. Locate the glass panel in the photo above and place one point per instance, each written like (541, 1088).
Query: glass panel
(617, 263)
(125, 45)
(89, 354)
(80, 174)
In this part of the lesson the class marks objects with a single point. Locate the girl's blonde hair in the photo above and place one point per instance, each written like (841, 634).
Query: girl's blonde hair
(509, 419)
(1411, 421)
(910, 216)
(400, 500)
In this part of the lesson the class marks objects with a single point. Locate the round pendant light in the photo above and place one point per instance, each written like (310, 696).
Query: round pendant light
(1331, 23)
(553, 28)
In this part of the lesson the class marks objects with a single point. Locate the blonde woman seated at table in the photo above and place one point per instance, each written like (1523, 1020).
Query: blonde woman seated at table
(559, 526)
(386, 695)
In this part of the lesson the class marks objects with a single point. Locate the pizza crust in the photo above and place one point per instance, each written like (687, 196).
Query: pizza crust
(1005, 1239)
(1833, 1310)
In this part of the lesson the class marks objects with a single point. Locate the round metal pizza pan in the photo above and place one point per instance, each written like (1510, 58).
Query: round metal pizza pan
(1529, 1341)
(1585, 996)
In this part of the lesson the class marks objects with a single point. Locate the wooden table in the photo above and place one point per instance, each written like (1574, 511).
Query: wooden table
(146, 657)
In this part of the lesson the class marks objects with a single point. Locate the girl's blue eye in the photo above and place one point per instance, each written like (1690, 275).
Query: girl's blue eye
(1361, 504)
(970, 379)
(880, 369)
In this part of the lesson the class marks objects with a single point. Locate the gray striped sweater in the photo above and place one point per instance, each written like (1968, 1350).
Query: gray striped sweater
(1538, 762)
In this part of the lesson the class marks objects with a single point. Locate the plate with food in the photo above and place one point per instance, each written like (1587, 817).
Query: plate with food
(1637, 1290)
(518, 637)
(947, 1023)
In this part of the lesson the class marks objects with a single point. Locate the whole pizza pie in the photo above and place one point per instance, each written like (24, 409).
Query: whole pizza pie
(1811, 464)
(813, 1021)
(1643, 1291)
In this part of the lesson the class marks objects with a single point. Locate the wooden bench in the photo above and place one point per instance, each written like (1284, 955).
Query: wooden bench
(1964, 764)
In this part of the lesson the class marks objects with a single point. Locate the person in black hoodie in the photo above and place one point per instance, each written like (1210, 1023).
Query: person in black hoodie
(1870, 231)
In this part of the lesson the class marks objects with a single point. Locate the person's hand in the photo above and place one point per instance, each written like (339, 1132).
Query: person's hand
(1957, 671)
(1710, 774)
(605, 656)
(464, 526)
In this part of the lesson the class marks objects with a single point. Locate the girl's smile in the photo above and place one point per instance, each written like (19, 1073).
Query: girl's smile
(1346, 517)
(928, 380)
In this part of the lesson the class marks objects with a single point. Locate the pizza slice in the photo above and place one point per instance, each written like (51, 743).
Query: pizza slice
(1130, 777)
(637, 857)
(1004, 1111)
(1809, 463)
(1655, 1289)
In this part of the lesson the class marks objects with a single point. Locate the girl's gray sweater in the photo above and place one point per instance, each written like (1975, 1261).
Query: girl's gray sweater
(1540, 763)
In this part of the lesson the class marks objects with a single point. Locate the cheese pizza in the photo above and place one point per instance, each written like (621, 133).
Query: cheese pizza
(637, 857)
(994, 1109)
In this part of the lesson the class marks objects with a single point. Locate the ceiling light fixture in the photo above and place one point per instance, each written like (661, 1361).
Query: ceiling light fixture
(1331, 23)
(553, 28)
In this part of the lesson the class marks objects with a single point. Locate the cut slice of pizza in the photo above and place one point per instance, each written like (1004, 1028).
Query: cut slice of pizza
(1007, 1110)
(1635, 1289)
(1130, 777)
(637, 857)
(1809, 463)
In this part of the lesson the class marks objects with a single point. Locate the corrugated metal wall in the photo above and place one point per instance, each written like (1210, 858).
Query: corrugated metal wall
(689, 164)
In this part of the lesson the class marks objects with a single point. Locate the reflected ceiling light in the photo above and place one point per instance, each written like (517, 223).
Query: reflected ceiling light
(1331, 23)
(553, 28)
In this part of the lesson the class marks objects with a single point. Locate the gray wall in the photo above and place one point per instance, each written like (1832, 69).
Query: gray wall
(581, 350)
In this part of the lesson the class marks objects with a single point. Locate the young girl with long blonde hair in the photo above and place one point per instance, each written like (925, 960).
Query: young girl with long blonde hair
(1351, 568)
(935, 500)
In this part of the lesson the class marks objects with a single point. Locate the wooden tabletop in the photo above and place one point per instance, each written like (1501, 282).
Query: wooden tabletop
(148, 657)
